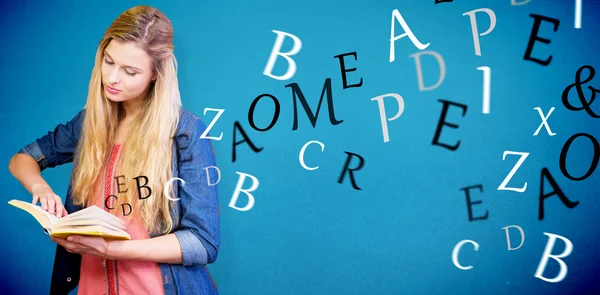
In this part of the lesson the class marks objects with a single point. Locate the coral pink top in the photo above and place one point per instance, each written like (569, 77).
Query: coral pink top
(99, 276)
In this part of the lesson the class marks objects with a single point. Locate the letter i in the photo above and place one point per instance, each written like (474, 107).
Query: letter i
(487, 77)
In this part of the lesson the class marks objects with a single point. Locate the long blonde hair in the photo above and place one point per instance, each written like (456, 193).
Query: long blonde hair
(147, 149)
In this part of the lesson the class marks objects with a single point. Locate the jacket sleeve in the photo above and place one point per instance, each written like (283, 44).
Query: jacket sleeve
(199, 230)
(58, 146)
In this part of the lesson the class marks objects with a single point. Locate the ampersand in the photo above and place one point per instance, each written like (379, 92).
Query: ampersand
(585, 104)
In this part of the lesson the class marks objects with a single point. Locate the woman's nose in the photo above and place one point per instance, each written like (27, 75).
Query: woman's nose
(114, 77)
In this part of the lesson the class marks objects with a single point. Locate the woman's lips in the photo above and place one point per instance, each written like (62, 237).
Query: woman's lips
(112, 90)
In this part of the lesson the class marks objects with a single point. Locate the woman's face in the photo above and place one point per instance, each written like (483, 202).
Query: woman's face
(126, 72)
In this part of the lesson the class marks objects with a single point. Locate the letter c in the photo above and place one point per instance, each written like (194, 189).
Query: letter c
(301, 155)
(168, 188)
(106, 201)
(455, 253)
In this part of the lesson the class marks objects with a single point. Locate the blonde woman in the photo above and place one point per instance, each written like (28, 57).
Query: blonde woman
(137, 154)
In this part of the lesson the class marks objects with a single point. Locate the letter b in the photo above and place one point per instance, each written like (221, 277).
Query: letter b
(238, 189)
(276, 51)
(563, 266)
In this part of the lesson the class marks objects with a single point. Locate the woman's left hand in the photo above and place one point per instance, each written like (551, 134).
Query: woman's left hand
(96, 246)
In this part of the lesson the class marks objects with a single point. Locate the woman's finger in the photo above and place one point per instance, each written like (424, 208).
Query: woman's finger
(59, 206)
(35, 199)
(44, 202)
(51, 205)
(64, 243)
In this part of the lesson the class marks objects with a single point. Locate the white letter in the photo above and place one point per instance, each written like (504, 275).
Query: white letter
(301, 155)
(219, 113)
(441, 63)
(577, 14)
(455, 253)
(379, 99)
(208, 176)
(275, 52)
(471, 14)
(407, 32)
(508, 236)
(168, 185)
(544, 122)
(515, 3)
(563, 266)
(513, 171)
(238, 189)
(487, 77)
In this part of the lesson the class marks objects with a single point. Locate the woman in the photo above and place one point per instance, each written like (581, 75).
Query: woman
(138, 154)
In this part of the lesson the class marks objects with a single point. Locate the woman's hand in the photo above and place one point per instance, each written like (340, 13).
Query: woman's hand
(48, 199)
(95, 246)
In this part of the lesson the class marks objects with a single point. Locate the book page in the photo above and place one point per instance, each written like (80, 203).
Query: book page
(91, 231)
(44, 218)
(78, 223)
(92, 215)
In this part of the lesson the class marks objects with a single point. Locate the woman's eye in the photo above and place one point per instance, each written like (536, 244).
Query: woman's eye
(108, 62)
(130, 74)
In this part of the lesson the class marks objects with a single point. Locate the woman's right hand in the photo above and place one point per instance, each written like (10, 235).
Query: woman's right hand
(48, 199)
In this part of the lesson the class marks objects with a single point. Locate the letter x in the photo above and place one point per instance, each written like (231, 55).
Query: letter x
(544, 122)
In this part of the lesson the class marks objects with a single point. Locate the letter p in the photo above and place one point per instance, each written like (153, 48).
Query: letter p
(474, 30)
(384, 119)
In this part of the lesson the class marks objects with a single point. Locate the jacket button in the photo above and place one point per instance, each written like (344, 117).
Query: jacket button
(69, 279)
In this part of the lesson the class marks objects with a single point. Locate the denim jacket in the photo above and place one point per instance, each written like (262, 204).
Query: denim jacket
(196, 221)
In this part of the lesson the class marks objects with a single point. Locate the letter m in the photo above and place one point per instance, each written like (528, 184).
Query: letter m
(313, 117)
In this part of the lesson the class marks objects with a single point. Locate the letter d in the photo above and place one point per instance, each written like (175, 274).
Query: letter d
(441, 64)
(508, 237)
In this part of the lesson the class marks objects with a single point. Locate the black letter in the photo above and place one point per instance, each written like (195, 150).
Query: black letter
(311, 117)
(362, 162)
(106, 202)
(119, 184)
(557, 191)
(441, 123)
(344, 70)
(565, 150)
(123, 208)
(237, 125)
(537, 20)
(469, 203)
(251, 112)
(442, 1)
(141, 186)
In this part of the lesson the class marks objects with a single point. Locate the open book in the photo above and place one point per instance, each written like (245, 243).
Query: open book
(91, 221)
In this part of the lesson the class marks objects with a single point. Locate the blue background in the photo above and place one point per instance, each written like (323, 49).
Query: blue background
(308, 234)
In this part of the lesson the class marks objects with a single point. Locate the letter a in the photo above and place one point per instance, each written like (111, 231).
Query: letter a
(407, 32)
